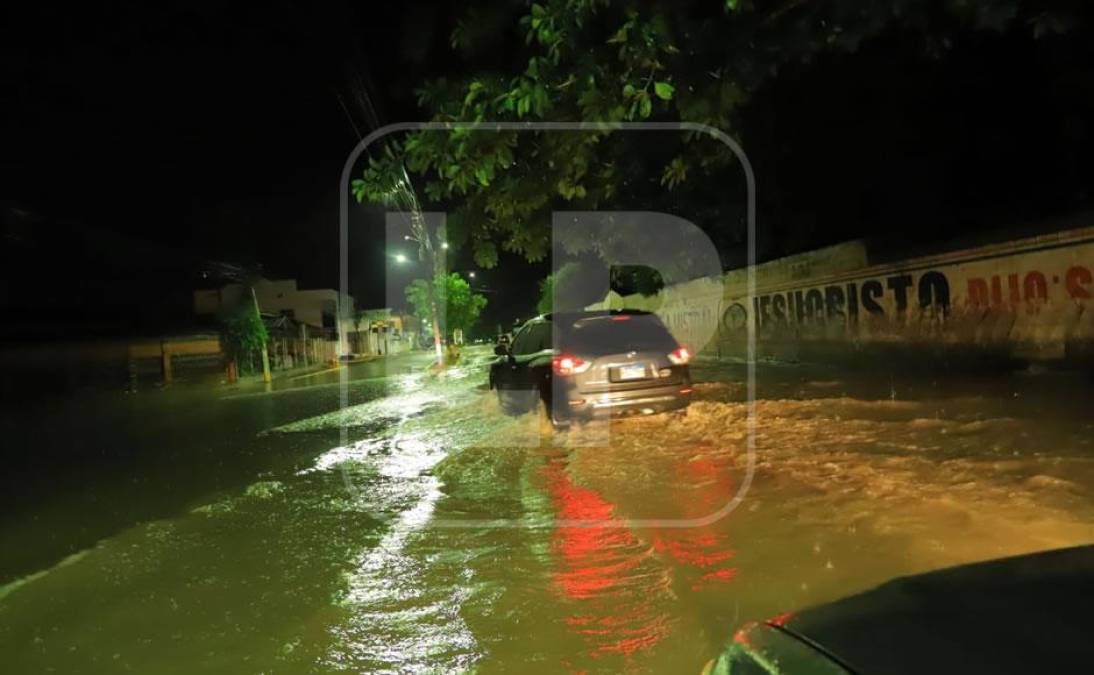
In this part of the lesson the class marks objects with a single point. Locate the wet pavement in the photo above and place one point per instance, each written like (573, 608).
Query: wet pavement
(387, 519)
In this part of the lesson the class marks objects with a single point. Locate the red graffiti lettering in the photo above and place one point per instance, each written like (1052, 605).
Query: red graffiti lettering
(978, 292)
(996, 291)
(1015, 291)
(1035, 287)
(1078, 278)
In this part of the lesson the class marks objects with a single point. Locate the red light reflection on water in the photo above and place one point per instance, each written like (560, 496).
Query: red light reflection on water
(603, 566)
(615, 579)
(707, 486)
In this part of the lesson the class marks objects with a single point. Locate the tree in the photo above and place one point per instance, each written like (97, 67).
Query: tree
(546, 295)
(240, 329)
(462, 306)
(575, 286)
(243, 332)
(611, 61)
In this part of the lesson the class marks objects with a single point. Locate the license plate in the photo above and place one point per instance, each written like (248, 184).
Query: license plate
(632, 372)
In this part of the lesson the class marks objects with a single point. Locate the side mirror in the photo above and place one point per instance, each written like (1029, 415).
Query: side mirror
(501, 350)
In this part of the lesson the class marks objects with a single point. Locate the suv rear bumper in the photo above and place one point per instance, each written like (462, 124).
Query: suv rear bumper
(629, 402)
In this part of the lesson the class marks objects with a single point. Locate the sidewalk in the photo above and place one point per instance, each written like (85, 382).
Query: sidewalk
(289, 374)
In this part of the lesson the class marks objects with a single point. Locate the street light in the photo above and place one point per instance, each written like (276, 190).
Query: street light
(471, 274)
(444, 245)
(400, 258)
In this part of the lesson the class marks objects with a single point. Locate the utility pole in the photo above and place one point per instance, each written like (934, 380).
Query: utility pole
(265, 354)
(427, 252)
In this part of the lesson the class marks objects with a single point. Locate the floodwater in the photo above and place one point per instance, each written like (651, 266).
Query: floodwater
(400, 523)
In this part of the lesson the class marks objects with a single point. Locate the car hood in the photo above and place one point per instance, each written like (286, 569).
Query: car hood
(1022, 614)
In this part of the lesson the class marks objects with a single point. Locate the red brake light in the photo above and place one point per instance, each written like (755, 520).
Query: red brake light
(568, 364)
(680, 356)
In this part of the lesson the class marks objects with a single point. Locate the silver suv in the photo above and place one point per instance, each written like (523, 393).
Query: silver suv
(582, 364)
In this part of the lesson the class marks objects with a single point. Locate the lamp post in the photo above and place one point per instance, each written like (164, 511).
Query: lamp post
(427, 253)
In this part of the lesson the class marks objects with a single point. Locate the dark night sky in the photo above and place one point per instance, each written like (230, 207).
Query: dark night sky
(200, 132)
(208, 130)
(213, 132)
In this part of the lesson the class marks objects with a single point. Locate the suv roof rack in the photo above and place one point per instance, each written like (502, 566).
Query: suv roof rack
(595, 312)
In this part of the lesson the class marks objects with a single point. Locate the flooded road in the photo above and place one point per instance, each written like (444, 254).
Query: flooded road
(410, 527)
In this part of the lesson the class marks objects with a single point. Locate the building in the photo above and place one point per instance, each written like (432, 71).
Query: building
(323, 312)
(383, 331)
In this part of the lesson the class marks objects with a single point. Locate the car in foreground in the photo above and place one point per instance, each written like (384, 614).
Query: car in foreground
(1024, 614)
(580, 365)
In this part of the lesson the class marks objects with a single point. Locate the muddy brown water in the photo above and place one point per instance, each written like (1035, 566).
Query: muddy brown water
(437, 535)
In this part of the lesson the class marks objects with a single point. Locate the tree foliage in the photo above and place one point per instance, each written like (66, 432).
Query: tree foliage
(546, 302)
(574, 286)
(462, 306)
(243, 332)
(612, 61)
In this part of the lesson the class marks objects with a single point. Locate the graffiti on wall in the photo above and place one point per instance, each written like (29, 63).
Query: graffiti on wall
(1025, 292)
(1034, 286)
(689, 323)
(844, 302)
(930, 292)
(1031, 294)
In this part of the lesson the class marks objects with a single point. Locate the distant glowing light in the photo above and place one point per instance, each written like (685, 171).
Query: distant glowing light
(471, 274)
(400, 258)
(444, 244)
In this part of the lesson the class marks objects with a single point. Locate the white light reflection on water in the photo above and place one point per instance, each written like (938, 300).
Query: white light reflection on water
(396, 618)
(396, 408)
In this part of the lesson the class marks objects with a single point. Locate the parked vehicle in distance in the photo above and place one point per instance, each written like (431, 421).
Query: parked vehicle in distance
(583, 364)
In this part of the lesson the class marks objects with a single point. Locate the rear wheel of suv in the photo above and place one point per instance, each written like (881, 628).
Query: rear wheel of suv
(557, 422)
(516, 403)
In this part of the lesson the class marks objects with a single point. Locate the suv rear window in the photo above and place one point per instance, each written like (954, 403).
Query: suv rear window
(619, 333)
(535, 337)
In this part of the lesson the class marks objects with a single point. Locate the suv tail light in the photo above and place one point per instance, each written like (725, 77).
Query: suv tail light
(568, 364)
(680, 356)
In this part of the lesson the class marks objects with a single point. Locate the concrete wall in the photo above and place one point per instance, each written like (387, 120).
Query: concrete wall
(1024, 299)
